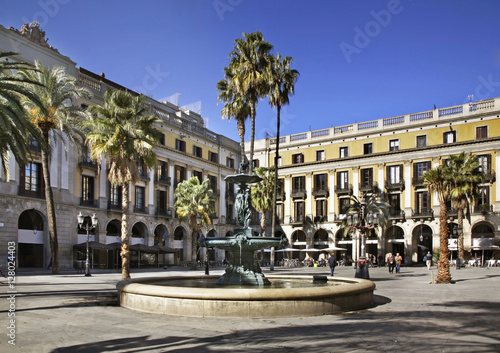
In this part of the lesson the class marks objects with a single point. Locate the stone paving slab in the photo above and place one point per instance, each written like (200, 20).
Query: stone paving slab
(73, 313)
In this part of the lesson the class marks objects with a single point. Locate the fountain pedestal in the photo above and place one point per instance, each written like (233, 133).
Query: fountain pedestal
(244, 268)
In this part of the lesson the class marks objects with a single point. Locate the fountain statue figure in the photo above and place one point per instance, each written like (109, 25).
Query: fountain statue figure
(243, 266)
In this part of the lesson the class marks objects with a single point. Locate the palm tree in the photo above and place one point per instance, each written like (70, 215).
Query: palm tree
(60, 118)
(262, 194)
(193, 202)
(235, 106)
(436, 181)
(123, 133)
(15, 124)
(281, 84)
(465, 175)
(246, 77)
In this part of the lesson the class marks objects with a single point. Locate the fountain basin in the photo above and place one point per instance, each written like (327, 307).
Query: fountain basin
(145, 294)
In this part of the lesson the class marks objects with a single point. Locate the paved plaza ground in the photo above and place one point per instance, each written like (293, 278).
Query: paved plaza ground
(73, 313)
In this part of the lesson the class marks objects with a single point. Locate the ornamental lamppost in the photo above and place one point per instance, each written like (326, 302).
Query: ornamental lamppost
(363, 222)
(88, 227)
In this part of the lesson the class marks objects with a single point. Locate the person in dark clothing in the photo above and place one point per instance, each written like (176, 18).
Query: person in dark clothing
(332, 262)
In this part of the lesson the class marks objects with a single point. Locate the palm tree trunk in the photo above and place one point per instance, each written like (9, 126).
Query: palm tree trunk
(194, 249)
(263, 221)
(275, 186)
(443, 274)
(51, 214)
(125, 252)
(461, 235)
(241, 132)
(252, 136)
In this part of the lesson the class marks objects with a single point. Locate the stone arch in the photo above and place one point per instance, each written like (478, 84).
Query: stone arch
(212, 233)
(422, 235)
(31, 242)
(344, 241)
(139, 234)
(161, 235)
(483, 241)
(395, 240)
(482, 229)
(113, 231)
(320, 239)
(181, 243)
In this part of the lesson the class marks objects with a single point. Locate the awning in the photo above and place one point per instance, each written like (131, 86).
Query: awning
(165, 249)
(144, 248)
(333, 248)
(93, 245)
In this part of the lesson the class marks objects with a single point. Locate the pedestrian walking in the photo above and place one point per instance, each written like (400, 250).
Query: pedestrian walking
(391, 262)
(332, 262)
(399, 261)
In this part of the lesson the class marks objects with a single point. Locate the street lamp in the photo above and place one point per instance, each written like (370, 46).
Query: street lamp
(88, 227)
(457, 232)
(363, 222)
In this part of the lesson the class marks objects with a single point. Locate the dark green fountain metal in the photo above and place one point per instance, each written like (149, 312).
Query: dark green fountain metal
(244, 266)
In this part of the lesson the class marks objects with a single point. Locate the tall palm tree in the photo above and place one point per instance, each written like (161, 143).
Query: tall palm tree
(235, 107)
(464, 175)
(124, 134)
(15, 124)
(59, 119)
(262, 194)
(436, 181)
(281, 85)
(246, 77)
(193, 202)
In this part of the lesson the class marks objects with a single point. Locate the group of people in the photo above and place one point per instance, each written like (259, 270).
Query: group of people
(394, 262)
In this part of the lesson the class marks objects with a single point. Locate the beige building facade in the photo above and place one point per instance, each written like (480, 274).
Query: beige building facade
(187, 149)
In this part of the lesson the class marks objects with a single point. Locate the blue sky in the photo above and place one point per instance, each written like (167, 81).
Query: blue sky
(358, 60)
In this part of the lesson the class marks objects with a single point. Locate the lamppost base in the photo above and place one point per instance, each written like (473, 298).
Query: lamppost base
(362, 268)
(88, 275)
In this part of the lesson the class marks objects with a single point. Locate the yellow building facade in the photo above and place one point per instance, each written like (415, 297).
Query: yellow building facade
(321, 169)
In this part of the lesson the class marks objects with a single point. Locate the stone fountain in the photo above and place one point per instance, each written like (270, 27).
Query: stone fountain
(243, 291)
(244, 266)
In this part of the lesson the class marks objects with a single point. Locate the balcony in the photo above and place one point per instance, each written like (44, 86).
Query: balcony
(39, 194)
(395, 185)
(489, 176)
(367, 187)
(321, 191)
(140, 209)
(163, 180)
(114, 206)
(280, 196)
(397, 215)
(483, 209)
(297, 221)
(423, 214)
(89, 202)
(343, 189)
(88, 164)
(418, 181)
(144, 175)
(163, 212)
(299, 193)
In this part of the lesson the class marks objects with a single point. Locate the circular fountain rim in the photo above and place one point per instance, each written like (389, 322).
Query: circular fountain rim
(144, 286)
